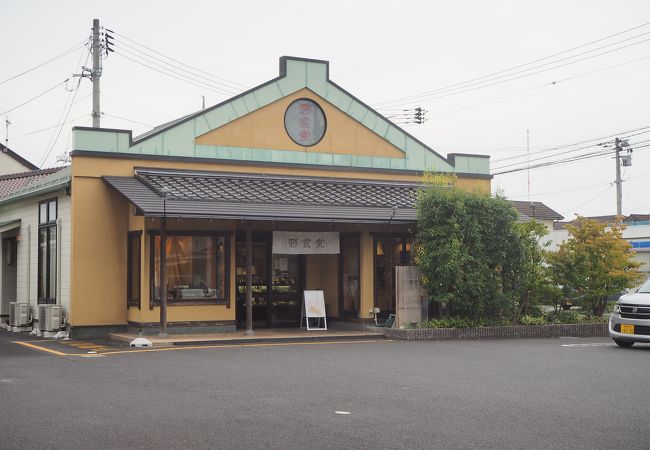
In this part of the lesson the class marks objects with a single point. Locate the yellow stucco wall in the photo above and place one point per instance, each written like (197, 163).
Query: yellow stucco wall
(264, 128)
(101, 219)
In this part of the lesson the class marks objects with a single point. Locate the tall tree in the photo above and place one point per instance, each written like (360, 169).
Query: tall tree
(595, 262)
(463, 244)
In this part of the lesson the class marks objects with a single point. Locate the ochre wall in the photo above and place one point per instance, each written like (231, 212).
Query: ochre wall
(101, 219)
(264, 128)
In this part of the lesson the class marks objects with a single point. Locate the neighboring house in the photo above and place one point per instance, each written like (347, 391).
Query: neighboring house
(296, 182)
(637, 234)
(35, 236)
(538, 211)
(12, 162)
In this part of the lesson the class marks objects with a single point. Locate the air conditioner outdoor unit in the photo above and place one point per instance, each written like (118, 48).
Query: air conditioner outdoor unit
(49, 317)
(18, 314)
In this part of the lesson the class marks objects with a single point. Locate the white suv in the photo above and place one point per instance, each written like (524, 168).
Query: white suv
(630, 321)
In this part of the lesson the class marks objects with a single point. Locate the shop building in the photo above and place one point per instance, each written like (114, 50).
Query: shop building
(296, 182)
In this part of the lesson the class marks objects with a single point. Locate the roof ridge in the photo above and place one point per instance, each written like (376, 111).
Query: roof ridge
(29, 173)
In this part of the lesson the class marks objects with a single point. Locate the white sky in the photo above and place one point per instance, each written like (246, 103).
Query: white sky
(378, 51)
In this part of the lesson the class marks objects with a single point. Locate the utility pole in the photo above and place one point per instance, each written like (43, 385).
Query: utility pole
(97, 72)
(619, 144)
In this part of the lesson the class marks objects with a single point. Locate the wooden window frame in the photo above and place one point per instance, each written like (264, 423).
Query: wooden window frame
(152, 260)
(133, 302)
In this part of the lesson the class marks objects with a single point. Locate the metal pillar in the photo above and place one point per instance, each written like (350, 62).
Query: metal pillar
(249, 281)
(163, 270)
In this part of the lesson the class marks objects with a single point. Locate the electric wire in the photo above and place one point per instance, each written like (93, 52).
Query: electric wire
(64, 117)
(197, 84)
(35, 97)
(127, 120)
(505, 72)
(475, 38)
(592, 155)
(516, 94)
(227, 88)
(602, 151)
(470, 88)
(31, 133)
(573, 144)
(67, 52)
(233, 83)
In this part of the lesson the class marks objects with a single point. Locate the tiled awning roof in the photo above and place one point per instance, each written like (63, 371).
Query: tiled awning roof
(227, 195)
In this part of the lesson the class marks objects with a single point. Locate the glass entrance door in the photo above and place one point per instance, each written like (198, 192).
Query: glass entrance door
(286, 289)
(260, 284)
(389, 252)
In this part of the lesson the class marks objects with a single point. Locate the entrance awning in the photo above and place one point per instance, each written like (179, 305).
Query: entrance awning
(220, 195)
(9, 225)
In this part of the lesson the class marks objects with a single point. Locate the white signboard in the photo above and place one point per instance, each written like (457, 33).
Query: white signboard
(314, 308)
(305, 242)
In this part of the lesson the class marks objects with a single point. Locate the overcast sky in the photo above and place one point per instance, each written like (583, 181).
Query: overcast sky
(485, 71)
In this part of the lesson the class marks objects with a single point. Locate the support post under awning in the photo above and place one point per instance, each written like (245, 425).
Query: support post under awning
(249, 281)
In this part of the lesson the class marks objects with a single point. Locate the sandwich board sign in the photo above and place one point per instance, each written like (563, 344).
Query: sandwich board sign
(313, 307)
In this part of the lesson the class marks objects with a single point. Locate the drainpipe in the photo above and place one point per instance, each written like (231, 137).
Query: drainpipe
(29, 263)
(58, 261)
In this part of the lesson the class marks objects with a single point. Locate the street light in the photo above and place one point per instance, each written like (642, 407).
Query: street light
(163, 266)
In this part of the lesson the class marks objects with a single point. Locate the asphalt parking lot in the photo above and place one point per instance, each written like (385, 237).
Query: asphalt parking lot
(520, 393)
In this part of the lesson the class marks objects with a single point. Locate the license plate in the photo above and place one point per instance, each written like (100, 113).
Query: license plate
(627, 329)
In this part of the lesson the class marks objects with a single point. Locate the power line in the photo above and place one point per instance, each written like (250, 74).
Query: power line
(31, 133)
(480, 85)
(592, 155)
(481, 36)
(505, 72)
(184, 80)
(227, 88)
(37, 96)
(64, 117)
(128, 120)
(508, 96)
(67, 52)
(233, 83)
(573, 144)
(600, 194)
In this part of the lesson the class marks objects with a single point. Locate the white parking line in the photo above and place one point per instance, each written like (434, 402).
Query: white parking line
(595, 344)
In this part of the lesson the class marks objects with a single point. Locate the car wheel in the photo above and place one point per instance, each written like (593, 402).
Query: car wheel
(624, 344)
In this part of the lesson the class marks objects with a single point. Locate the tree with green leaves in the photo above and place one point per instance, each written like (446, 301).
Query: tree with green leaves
(595, 262)
(462, 247)
(527, 276)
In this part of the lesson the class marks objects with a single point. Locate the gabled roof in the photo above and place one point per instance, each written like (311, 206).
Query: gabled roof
(536, 210)
(178, 139)
(227, 195)
(17, 157)
(12, 182)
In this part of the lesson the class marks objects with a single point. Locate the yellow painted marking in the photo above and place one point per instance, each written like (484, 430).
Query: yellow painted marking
(38, 347)
(197, 347)
(269, 344)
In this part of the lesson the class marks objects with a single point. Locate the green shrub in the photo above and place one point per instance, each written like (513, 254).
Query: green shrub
(533, 320)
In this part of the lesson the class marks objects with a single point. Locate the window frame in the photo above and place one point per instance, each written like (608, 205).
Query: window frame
(133, 302)
(48, 224)
(152, 272)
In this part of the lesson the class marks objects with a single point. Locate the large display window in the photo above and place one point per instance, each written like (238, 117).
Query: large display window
(196, 269)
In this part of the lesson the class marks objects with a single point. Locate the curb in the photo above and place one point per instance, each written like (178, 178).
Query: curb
(507, 332)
